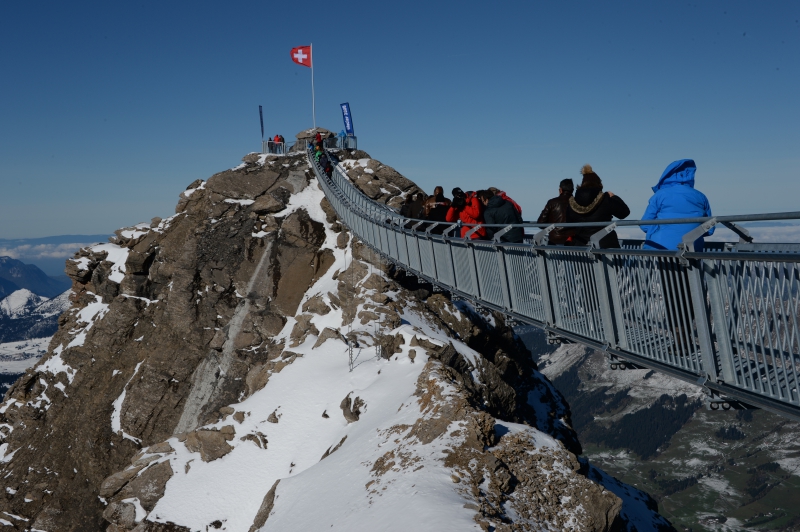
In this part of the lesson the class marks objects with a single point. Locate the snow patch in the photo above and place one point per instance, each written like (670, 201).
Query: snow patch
(20, 302)
(117, 255)
(116, 415)
(189, 191)
(55, 365)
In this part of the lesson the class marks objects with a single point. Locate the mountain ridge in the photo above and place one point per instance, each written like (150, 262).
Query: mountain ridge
(16, 275)
(25, 315)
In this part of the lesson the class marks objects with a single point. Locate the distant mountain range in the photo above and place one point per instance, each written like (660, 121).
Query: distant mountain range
(16, 275)
(25, 315)
(48, 253)
(30, 304)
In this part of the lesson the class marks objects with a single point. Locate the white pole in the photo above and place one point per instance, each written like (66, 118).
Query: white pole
(313, 103)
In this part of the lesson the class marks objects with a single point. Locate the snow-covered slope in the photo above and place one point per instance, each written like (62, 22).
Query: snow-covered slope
(26, 316)
(20, 303)
(53, 307)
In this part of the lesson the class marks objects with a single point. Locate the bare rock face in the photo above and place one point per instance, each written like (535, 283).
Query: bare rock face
(378, 181)
(265, 509)
(211, 444)
(316, 305)
(351, 408)
(155, 315)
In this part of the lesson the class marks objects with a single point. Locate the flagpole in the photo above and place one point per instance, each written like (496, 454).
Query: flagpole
(313, 103)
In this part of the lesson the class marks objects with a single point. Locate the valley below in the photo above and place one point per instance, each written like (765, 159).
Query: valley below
(708, 470)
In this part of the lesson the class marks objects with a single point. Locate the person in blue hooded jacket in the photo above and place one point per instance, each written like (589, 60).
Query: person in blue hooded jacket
(675, 197)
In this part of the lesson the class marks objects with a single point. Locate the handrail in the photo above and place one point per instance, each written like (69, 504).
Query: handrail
(727, 319)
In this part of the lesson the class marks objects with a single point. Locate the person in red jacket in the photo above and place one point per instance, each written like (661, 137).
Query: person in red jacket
(469, 209)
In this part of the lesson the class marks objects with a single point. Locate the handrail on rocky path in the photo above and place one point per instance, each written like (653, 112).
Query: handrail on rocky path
(726, 319)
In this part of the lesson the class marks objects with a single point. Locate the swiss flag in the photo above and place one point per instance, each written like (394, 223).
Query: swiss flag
(302, 55)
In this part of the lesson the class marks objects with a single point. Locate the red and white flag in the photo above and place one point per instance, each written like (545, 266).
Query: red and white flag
(302, 55)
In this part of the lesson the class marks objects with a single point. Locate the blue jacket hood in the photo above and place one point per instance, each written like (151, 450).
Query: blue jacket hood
(678, 173)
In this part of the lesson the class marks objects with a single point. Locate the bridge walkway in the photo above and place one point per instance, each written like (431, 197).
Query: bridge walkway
(725, 319)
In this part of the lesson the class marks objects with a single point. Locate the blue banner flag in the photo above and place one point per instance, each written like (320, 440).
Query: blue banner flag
(261, 116)
(348, 118)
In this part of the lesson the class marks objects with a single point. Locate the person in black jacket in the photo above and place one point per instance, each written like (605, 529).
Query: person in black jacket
(591, 204)
(499, 211)
(412, 208)
(556, 212)
(325, 164)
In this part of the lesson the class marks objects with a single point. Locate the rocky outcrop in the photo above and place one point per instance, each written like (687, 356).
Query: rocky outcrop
(225, 337)
(378, 181)
(155, 316)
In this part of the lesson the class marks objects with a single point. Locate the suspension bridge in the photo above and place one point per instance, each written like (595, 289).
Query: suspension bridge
(725, 319)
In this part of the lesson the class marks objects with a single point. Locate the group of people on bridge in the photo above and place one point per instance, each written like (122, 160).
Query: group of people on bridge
(491, 206)
(325, 160)
(674, 197)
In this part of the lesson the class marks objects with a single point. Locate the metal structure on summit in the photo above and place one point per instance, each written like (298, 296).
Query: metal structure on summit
(726, 319)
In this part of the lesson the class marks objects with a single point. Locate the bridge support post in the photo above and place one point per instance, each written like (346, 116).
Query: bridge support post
(474, 267)
(616, 302)
(701, 312)
(721, 331)
(433, 253)
(602, 285)
(504, 288)
(450, 253)
(698, 297)
(544, 287)
(601, 282)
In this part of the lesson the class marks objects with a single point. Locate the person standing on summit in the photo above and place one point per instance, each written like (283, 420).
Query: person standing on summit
(591, 204)
(675, 197)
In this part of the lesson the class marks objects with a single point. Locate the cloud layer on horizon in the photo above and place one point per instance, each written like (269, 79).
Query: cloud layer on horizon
(781, 234)
(41, 251)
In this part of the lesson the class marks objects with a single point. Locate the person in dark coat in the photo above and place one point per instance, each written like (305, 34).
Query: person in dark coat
(497, 210)
(591, 204)
(497, 192)
(412, 209)
(435, 209)
(405, 210)
(555, 211)
(325, 164)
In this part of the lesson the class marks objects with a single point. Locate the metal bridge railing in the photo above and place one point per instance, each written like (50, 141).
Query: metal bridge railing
(727, 319)
(349, 142)
(275, 148)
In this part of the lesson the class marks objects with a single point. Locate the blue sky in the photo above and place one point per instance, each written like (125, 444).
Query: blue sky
(109, 110)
